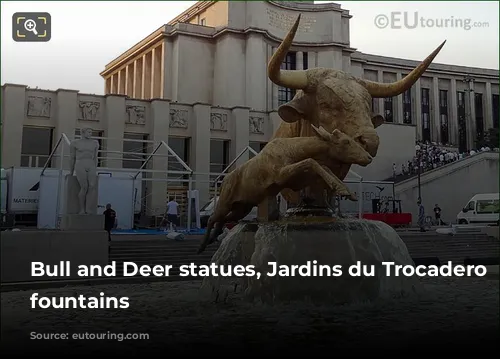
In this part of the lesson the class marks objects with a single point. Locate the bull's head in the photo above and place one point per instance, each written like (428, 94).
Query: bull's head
(334, 99)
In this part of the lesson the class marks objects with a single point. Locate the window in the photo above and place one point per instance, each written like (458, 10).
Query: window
(471, 206)
(180, 145)
(388, 109)
(426, 121)
(478, 99)
(462, 124)
(36, 146)
(443, 116)
(203, 22)
(99, 135)
(285, 94)
(219, 156)
(257, 147)
(487, 206)
(495, 110)
(135, 150)
(407, 107)
(305, 61)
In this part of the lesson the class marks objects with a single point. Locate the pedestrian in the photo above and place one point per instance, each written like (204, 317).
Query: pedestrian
(109, 220)
(437, 215)
(421, 215)
(172, 213)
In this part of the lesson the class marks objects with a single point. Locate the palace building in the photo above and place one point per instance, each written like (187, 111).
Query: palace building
(199, 84)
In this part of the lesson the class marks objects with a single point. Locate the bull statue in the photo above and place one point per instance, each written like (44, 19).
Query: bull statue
(292, 163)
(332, 99)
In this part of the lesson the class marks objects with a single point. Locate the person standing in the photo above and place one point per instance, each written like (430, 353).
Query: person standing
(421, 215)
(109, 220)
(172, 212)
(437, 215)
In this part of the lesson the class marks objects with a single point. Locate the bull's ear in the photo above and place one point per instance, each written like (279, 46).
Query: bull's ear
(377, 120)
(294, 110)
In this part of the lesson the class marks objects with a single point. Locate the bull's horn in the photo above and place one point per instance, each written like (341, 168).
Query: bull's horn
(377, 89)
(294, 79)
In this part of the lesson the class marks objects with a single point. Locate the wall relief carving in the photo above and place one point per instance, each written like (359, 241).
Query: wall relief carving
(256, 125)
(284, 22)
(178, 119)
(136, 115)
(39, 106)
(218, 122)
(89, 110)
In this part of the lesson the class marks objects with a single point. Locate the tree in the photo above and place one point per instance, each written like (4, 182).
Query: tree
(490, 139)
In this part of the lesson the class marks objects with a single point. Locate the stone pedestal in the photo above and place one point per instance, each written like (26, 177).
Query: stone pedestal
(329, 242)
(71, 189)
(82, 222)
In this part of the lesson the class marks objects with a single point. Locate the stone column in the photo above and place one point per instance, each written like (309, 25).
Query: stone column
(435, 118)
(143, 77)
(488, 113)
(13, 108)
(137, 87)
(240, 117)
(453, 113)
(66, 110)
(380, 78)
(114, 130)
(120, 83)
(275, 90)
(113, 87)
(200, 149)
(471, 124)
(129, 80)
(299, 60)
(153, 73)
(399, 103)
(159, 131)
(418, 109)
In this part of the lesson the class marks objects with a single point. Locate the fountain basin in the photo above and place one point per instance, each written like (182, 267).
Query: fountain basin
(312, 242)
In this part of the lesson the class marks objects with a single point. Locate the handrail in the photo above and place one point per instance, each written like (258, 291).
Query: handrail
(52, 153)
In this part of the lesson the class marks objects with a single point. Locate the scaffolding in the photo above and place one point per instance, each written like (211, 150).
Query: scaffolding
(186, 174)
(217, 180)
(61, 151)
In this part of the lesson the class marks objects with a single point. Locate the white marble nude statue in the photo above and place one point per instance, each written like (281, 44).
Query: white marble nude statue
(83, 163)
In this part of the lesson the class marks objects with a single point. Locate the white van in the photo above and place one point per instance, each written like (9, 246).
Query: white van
(482, 208)
(208, 209)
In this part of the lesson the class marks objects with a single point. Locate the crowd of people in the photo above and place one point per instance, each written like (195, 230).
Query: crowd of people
(431, 156)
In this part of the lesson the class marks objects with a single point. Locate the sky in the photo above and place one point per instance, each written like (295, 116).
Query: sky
(88, 35)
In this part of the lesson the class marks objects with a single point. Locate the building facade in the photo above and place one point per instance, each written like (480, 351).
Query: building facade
(200, 85)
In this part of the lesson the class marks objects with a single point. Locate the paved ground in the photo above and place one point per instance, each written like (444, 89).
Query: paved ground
(452, 314)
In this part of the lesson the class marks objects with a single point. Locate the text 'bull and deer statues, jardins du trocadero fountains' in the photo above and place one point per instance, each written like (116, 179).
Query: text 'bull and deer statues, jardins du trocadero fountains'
(327, 127)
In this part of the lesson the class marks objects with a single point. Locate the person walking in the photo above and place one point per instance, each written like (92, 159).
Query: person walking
(421, 215)
(173, 213)
(109, 220)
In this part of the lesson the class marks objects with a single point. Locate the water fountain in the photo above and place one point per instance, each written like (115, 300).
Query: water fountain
(335, 106)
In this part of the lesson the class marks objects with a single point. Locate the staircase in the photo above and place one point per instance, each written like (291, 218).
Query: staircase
(454, 248)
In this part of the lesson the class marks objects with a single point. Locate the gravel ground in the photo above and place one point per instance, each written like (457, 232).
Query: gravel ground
(451, 313)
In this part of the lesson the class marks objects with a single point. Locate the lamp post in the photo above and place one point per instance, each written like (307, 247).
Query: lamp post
(469, 80)
(417, 150)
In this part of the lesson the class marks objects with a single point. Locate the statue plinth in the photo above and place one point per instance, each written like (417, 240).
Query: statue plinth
(71, 218)
(301, 242)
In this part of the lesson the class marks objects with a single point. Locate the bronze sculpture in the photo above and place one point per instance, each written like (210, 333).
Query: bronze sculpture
(329, 103)
(284, 163)
(332, 99)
